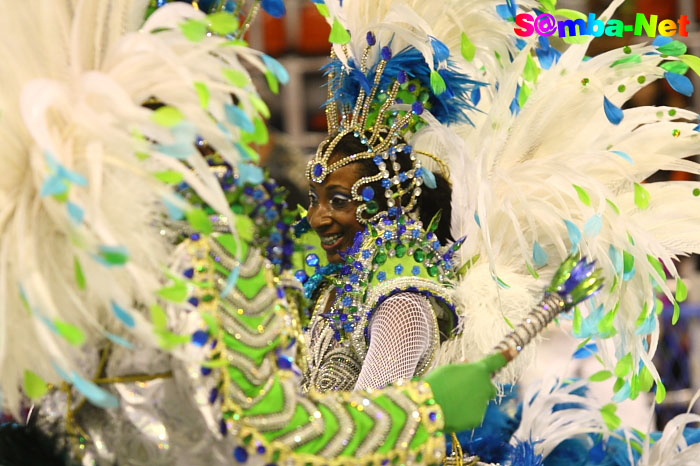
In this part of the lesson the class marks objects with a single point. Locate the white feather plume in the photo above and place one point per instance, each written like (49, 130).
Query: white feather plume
(79, 155)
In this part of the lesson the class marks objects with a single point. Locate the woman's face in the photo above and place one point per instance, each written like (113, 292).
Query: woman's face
(332, 210)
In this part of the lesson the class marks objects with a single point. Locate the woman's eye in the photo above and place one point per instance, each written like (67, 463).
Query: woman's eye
(339, 201)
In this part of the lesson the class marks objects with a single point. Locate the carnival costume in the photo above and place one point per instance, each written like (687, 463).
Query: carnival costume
(143, 302)
(543, 162)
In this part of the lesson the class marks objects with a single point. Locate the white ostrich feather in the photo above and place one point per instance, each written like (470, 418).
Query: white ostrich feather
(72, 124)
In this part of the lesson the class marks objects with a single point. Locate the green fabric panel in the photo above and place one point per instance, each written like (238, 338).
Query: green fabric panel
(272, 402)
(250, 287)
(407, 262)
(311, 241)
(256, 354)
(229, 243)
(330, 429)
(398, 420)
(239, 378)
(249, 321)
(363, 424)
(420, 438)
(301, 417)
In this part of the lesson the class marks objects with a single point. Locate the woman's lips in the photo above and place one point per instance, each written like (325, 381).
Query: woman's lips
(331, 242)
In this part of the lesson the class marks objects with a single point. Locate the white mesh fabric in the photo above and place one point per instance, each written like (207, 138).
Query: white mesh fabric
(401, 334)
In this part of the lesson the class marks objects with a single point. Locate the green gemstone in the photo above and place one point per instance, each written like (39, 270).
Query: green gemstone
(400, 250)
(433, 270)
(641, 80)
(696, 192)
(373, 232)
(372, 207)
(627, 49)
(419, 255)
(621, 88)
(672, 112)
(207, 298)
(585, 81)
(380, 258)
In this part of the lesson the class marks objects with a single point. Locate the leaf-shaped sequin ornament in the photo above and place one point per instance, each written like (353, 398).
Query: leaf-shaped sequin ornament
(641, 196)
(338, 35)
(612, 112)
(468, 49)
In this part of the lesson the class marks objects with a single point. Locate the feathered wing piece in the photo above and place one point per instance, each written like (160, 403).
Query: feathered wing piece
(100, 119)
(561, 171)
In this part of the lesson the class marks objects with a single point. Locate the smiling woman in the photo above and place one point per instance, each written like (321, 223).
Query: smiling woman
(383, 319)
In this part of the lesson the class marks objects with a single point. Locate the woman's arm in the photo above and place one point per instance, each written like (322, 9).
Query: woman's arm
(401, 330)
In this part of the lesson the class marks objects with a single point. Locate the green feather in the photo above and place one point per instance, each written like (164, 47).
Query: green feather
(437, 83)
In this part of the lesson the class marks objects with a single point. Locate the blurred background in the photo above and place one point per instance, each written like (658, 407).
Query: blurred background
(297, 126)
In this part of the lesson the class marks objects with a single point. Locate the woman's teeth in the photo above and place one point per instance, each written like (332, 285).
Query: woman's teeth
(330, 240)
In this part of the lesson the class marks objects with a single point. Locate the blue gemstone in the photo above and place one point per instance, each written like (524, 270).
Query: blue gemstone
(348, 287)
(354, 278)
(417, 107)
(301, 276)
(343, 317)
(312, 260)
(366, 253)
(367, 193)
(429, 235)
(402, 229)
(261, 449)
(407, 149)
(318, 170)
(377, 159)
(399, 100)
(386, 183)
(284, 362)
(194, 236)
(411, 87)
(401, 77)
(205, 370)
(388, 235)
(432, 416)
(193, 301)
(347, 301)
(200, 337)
(436, 244)
(386, 53)
(240, 454)
(258, 195)
(415, 270)
(223, 428)
(371, 40)
(358, 265)
(402, 177)
(419, 172)
(398, 269)
(346, 269)
(381, 276)
(348, 327)
(378, 241)
(189, 273)
(415, 233)
(213, 394)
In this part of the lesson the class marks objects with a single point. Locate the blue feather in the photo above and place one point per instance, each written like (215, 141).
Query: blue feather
(586, 351)
(440, 51)
(593, 225)
(123, 315)
(622, 394)
(547, 56)
(236, 116)
(274, 8)
(574, 235)
(660, 41)
(570, 452)
(624, 155)
(679, 83)
(450, 107)
(539, 256)
(476, 97)
(523, 454)
(612, 112)
(277, 69)
(95, 394)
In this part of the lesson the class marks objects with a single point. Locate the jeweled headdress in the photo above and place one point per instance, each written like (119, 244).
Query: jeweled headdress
(384, 103)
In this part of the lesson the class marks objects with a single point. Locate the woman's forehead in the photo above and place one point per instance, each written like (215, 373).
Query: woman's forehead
(344, 176)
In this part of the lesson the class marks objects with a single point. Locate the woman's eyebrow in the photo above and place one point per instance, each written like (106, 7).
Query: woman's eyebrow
(337, 186)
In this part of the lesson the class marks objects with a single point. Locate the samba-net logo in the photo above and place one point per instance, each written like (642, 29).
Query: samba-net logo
(546, 25)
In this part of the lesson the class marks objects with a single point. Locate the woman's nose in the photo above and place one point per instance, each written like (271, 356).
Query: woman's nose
(319, 217)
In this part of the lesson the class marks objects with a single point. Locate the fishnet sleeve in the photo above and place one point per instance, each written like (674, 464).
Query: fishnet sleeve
(400, 332)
